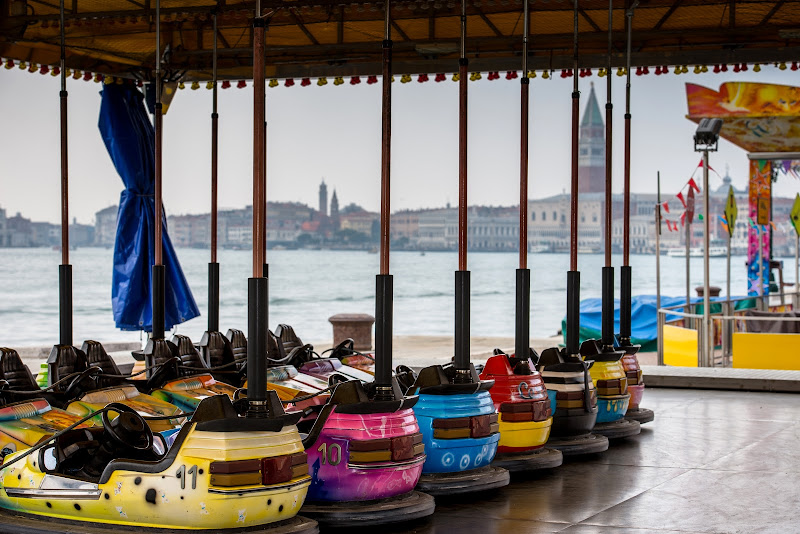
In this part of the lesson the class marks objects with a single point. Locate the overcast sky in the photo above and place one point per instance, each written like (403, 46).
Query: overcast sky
(334, 133)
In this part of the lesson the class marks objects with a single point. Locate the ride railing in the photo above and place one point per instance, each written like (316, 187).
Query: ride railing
(746, 332)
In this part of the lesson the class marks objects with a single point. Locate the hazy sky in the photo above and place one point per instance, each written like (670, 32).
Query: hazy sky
(334, 133)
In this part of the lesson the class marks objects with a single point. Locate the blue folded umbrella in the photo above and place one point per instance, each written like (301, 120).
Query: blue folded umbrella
(130, 140)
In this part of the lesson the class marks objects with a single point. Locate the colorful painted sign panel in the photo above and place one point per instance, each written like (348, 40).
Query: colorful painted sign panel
(758, 243)
(758, 117)
(795, 214)
(731, 211)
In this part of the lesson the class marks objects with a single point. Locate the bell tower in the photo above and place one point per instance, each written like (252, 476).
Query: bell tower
(592, 148)
(323, 198)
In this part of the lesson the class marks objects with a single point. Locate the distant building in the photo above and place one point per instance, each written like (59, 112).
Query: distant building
(493, 229)
(360, 221)
(3, 229)
(282, 232)
(190, 230)
(235, 227)
(323, 198)
(240, 235)
(80, 235)
(405, 224)
(19, 231)
(105, 226)
(44, 234)
(436, 229)
(335, 221)
(549, 222)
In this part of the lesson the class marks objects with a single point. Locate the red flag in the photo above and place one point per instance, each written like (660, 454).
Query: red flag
(710, 168)
(680, 197)
(693, 185)
(666, 206)
(683, 218)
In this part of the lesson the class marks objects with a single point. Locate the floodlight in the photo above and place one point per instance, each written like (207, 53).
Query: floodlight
(706, 136)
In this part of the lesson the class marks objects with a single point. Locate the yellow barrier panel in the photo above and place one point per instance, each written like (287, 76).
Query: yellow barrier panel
(680, 346)
(766, 351)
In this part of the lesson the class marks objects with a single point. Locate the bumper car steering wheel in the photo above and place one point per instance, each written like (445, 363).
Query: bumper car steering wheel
(128, 429)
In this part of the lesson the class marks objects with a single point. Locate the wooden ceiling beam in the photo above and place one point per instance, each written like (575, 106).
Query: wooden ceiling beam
(772, 11)
(222, 39)
(400, 31)
(588, 19)
(668, 14)
(302, 27)
(47, 4)
(489, 23)
(340, 26)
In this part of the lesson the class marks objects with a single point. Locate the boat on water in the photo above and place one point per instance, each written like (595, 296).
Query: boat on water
(697, 252)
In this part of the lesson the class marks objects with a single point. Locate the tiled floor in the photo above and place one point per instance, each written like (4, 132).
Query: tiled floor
(712, 461)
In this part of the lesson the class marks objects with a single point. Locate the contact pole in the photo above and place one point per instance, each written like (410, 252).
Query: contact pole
(65, 269)
(688, 229)
(706, 273)
(607, 316)
(626, 274)
(726, 331)
(707, 349)
(158, 274)
(383, 283)
(660, 354)
(523, 315)
(258, 293)
(462, 285)
(573, 276)
(213, 266)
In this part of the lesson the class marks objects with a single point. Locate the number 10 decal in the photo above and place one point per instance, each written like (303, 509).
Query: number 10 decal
(332, 454)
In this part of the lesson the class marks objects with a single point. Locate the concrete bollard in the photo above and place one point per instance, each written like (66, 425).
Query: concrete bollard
(357, 326)
(713, 291)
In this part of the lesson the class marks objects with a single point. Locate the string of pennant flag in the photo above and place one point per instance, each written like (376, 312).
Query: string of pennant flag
(686, 196)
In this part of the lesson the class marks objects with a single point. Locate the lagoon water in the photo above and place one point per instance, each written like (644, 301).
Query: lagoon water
(308, 286)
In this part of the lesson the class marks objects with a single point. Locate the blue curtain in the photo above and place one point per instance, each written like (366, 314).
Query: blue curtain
(130, 140)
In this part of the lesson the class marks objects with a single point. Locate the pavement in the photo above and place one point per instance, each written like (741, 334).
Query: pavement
(711, 462)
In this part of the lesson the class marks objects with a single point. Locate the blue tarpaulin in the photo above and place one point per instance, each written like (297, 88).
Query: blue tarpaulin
(130, 139)
(644, 326)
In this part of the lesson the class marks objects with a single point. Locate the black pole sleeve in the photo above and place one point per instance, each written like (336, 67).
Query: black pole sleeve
(213, 297)
(383, 329)
(158, 272)
(523, 331)
(257, 324)
(65, 304)
(625, 303)
(608, 307)
(573, 312)
(462, 321)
